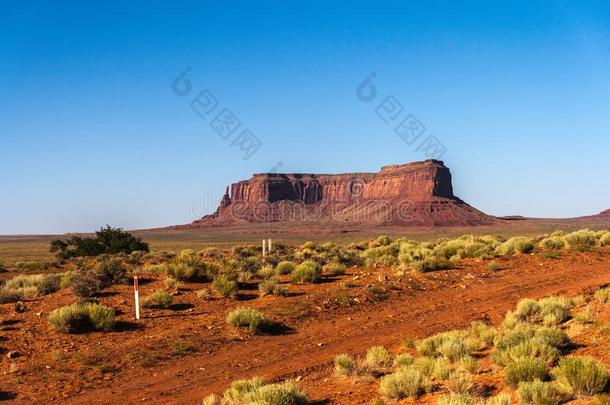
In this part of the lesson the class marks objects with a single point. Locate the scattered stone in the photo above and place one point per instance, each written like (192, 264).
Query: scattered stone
(12, 354)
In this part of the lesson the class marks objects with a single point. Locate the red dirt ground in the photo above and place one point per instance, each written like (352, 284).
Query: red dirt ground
(142, 363)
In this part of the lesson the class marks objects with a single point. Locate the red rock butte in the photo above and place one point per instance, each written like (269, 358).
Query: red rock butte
(413, 194)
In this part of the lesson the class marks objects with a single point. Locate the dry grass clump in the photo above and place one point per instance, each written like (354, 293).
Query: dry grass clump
(266, 271)
(453, 346)
(333, 269)
(225, 285)
(466, 399)
(189, 266)
(518, 244)
(306, 272)
(581, 375)
(256, 392)
(552, 243)
(82, 317)
(407, 382)
(603, 295)
(378, 356)
(402, 360)
(158, 299)
(271, 286)
(581, 240)
(250, 318)
(525, 369)
(285, 267)
(25, 286)
(539, 392)
(345, 365)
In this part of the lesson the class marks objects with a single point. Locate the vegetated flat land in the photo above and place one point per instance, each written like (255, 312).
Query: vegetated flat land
(180, 354)
(19, 249)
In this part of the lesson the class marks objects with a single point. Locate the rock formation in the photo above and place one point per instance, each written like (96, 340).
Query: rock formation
(417, 193)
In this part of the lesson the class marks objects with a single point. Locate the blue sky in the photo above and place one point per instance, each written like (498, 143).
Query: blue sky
(91, 132)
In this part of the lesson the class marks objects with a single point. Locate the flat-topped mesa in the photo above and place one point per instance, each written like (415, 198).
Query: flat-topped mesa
(418, 193)
(413, 180)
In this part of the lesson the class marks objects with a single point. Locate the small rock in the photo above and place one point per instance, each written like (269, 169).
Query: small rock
(47, 367)
(12, 354)
(320, 344)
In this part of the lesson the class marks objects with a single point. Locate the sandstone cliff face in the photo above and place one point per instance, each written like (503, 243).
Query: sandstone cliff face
(417, 193)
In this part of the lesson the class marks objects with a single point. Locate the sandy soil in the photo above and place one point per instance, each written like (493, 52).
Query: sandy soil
(180, 354)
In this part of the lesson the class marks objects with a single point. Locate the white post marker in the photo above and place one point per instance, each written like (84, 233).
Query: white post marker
(136, 296)
(269, 243)
(264, 252)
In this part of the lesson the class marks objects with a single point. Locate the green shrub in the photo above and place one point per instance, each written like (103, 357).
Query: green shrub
(457, 399)
(65, 280)
(605, 239)
(603, 295)
(517, 244)
(270, 286)
(527, 349)
(256, 392)
(552, 243)
(308, 271)
(407, 382)
(158, 299)
(538, 392)
(378, 356)
(285, 267)
(171, 283)
(344, 365)
(581, 375)
(82, 317)
(106, 241)
(451, 345)
(402, 360)
(460, 382)
(493, 266)
(111, 271)
(581, 240)
(226, 286)
(333, 269)
(525, 370)
(23, 286)
(265, 272)
(248, 317)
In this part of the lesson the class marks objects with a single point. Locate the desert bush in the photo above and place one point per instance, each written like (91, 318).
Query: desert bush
(308, 271)
(457, 399)
(265, 272)
(271, 286)
(285, 267)
(82, 317)
(493, 266)
(157, 299)
(470, 364)
(378, 356)
(65, 280)
(581, 240)
(432, 264)
(603, 295)
(86, 283)
(248, 317)
(23, 286)
(111, 271)
(581, 375)
(531, 348)
(451, 345)
(518, 244)
(171, 283)
(333, 269)
(407, 382)
(225, 285)
(460, 382)
(604, 240)
(552, 243)
(402, 360)
(485, 333)
(344, 365)
(552, 336)
(255, 391)
(525, 369)
(539, 392)
(106, 241)
(212, 400)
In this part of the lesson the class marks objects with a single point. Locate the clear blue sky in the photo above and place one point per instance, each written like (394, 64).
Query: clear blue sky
(91, 132)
